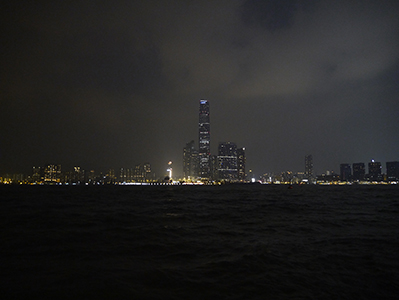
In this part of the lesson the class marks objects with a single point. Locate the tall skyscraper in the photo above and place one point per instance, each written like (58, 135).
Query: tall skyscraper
(214, 163)
(190, 161)
(346, 172)
(227, 156)
(204, 152)
(392, 170)
(241, 164)
(375, 171)
(309, 166)
(359, 171)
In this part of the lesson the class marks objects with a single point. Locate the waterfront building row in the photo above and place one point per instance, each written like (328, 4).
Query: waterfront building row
(357, 172)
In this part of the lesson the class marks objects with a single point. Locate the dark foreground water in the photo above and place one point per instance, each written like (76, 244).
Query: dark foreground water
(184, 242)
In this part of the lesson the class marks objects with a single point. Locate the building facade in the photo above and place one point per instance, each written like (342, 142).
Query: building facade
(345, 172)
(52, 173)
(392, 170)
(241, 159)
(214, 163)
(204, 151)
(309, 166)
(227, 158)
(359, 171)
(375, 169)
(190, 161)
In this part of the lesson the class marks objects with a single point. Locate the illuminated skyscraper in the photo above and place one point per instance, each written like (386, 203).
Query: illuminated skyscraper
(227, 156)
(38, 174)
(375, 171)
(147, 171)
(241, 164)
(214, 166)
(52, 173)
(204, 152)
(190, 161)
(309, 166)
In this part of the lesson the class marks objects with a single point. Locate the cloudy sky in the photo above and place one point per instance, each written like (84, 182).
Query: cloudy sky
(114, 84)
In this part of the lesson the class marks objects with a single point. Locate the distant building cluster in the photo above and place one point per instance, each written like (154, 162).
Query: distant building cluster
(51, 174)
(357, 172)
(349, 174)
(200, 165)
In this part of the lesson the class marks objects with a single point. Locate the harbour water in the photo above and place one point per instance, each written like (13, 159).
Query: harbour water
(199, 242)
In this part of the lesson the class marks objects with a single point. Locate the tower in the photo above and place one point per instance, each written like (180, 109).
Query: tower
(227, 156)
(345, 172)
(375, 171)
(392, 170)
(359, 171)
(190, 161)
(309, 166)
(204, 152)
(241, 164)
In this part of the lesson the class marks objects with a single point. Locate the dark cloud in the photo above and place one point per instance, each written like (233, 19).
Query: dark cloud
(272, 14)
(111, 85)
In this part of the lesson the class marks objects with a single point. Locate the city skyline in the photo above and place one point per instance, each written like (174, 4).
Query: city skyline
(200, 165)
(227, 166)
(113, 85)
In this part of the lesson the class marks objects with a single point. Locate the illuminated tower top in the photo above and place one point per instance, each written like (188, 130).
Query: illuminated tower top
(204, 152)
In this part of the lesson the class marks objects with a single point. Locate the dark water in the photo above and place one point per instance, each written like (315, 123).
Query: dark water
(179, 242)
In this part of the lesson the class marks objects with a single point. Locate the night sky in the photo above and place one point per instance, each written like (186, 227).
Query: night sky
(114, 84)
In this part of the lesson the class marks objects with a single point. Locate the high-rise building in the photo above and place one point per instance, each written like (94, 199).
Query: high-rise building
(241, 159)
(359, 171)
(309, 166)
(214, 163)
(127, 175)
(110, 177)
(147, 171)
(190, 161)
(77, 175)
(204, 152)
(139, 174)
(375, 171)
(392, 170)
(346, 172)
(52, 173)
(38, 174)
(227, 156)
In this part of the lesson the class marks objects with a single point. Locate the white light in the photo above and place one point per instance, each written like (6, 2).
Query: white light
(170, 172)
